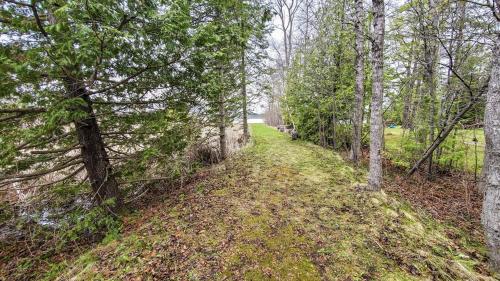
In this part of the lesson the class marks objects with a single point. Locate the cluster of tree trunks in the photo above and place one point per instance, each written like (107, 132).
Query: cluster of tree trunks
(447, 122)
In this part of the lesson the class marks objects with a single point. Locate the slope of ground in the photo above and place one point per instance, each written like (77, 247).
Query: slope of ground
(281, 210)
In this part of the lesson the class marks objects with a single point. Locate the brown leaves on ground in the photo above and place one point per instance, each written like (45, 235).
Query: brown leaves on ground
(280, 210)
(452, 197)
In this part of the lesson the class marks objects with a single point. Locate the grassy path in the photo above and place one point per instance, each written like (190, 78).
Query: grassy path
(281, 210)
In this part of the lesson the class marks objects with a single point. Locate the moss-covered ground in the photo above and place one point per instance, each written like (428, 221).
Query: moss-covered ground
(281, 210)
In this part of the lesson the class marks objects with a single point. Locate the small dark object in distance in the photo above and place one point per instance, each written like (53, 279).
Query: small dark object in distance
(294, 134)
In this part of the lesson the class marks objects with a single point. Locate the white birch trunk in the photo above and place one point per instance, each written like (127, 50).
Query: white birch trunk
(376, 124)
(491, 203)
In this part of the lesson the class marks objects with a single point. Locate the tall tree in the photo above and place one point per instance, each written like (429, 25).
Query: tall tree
(287, 11)
(74, 66)
(357, 118)
(96, 92)
(234, 37)
(491, 203)
(466, 83)
(244, 97)
(222, 124)
(430, 34)
(254, 18)
(376, 122)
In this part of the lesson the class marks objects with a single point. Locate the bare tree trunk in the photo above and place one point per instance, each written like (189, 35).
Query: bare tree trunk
(408, 97)
(491, 203)
(246, 134)
(430, 56)
(286, 11)
(290, 46)
(357, 119)
(285, 41)
(376, 124)
(415, 103)
(455, 54)
(95, 157)
(222, 128)
(337, 76)
(93, 152)
(334, 124)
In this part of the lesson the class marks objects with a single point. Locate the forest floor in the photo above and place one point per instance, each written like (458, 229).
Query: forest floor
(281, 210)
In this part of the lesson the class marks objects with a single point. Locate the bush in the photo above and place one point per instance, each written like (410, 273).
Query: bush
(90, 225)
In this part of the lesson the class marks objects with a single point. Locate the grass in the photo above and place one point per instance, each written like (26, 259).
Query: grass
(281, 210)
(458, 149)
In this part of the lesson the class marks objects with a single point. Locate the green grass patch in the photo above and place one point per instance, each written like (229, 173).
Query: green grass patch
(459, 151)
(284, 210)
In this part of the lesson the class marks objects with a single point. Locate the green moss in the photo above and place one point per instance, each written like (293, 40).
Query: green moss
(55, 270)
(255, 275)
(221, 192)
(398, 275)
(287, 210)
(86, 259)
(81, 269)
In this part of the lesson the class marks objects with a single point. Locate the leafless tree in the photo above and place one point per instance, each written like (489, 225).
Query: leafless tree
(287, 11)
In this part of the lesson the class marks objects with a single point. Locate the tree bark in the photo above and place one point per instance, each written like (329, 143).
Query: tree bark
(246, 134)
(430, 56)
(357, 118)
(93, 152)
(416, 100)
(491, 203)
(376, 124)
(408, 97)
(222, 128)
(454, 54)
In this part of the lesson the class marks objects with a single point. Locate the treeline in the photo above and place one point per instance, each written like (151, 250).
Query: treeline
(98, 98)
(424, 65)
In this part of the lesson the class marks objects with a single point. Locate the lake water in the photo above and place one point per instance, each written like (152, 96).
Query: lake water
(255, 120)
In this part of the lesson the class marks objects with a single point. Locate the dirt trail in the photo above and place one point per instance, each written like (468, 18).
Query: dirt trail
(282, 210)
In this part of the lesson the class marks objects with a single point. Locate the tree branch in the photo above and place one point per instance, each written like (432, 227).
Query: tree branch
(68, 163)
(121, 82)
(61, 150)
(37, 18)
(446, 130)
(74, 173)
(7, 118)
(23, 110)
